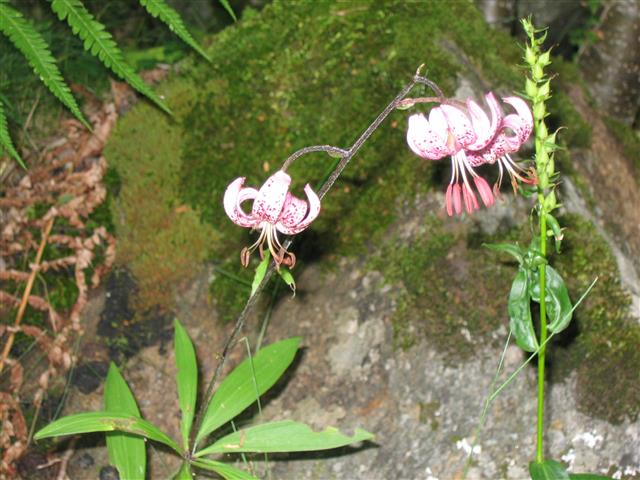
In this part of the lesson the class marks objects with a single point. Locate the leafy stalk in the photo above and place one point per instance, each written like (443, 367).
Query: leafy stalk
(35, 49)
(537, 87)
(101, 44)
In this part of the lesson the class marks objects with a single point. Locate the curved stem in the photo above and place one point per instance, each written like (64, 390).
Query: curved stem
(345, 158)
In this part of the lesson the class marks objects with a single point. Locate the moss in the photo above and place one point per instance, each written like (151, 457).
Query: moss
(280, 80)
(562, 113)
(628, 138)
(160, 239)
(448, 289)
(605, 338)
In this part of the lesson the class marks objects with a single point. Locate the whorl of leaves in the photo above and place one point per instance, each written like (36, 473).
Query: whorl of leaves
(27, 39)
(101, 44)
(162, 11)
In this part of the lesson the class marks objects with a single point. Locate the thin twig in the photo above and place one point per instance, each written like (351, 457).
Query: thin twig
(27, 291)
(346, 156)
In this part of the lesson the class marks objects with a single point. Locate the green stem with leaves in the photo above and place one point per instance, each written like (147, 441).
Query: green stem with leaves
(537, 88)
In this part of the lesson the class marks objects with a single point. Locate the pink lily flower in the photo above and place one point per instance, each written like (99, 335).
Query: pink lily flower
(274, 210)
(471, 139)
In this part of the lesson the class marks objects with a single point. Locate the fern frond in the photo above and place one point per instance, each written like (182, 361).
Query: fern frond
(5, 138)
(162, 11)
(227, 7)
(35, 49)
(100, 43)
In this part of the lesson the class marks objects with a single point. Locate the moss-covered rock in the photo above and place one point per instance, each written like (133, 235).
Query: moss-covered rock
(318, 73)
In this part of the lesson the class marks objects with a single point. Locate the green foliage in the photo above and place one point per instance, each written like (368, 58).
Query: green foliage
(187, 380)
(100, 43)
(547, 470)
(27, 39)
(5, 138)
(160, 9)
(248, 381)
(519, 308)
(242, 387)
(106, 422)
(283, 436)
(126, 451)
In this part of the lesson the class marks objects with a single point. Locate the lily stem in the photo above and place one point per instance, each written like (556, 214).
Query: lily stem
(543, 333)
(345, 156)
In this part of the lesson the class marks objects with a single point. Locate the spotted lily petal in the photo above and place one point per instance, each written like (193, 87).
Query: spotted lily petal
(424, 140)
(270, 199)
(485, 130)
(291, 223)
(459, 125)
(293, 212)
(525, 116)
(233, 197)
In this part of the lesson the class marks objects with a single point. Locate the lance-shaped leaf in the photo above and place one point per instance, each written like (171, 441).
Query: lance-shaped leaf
(183, 474)
(225, 470)
(240, 389)
(283, 436)
(519, 308)
(588, 476)
(160, 9)
(100, 43)
(261, 271)
(187, 380)
(557, 302)
(106, 422)
(35, 49)
(515, 251)
(547, 470)
(126, 451)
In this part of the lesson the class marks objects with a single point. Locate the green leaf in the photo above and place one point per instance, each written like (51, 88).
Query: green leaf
(27, 39)
(162, 11)
(127, 452)
(100, 43)
(105, 422)
(519, 308)
(5, 138)
(187, 380)
(183, 474)
(556, 230)
(515, 251)
(283, 436)
(227, 7)
(239, 389)
(287, 277)
(557, 302)
(261, 271)
(225, 470)
(548, 470)
(587, 476)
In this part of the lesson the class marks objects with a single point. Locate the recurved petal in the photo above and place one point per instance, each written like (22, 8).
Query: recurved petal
(270, 199)
(293, 211)
(424, 141)
(312, 213)
(460, 125)
(233, 197)
(485, 130)
(524, 112)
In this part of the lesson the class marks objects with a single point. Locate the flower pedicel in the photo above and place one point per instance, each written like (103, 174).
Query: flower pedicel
(274, 210)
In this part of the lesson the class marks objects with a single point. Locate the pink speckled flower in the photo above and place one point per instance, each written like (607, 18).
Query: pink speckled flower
(274, 210)
(471, 138)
